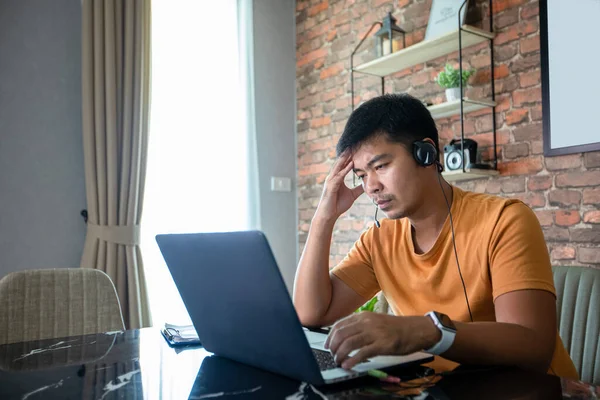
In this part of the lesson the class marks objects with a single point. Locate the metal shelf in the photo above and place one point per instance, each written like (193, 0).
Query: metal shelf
(424, 51)
(469, 173)
(457, 40)
(451, 108)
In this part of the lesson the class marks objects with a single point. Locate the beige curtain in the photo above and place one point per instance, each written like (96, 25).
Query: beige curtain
(116, 97)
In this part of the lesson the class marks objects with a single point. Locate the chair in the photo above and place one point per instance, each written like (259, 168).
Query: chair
(578, 311)
(55, 303)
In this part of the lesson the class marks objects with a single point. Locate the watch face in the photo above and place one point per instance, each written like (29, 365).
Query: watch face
(445, 321)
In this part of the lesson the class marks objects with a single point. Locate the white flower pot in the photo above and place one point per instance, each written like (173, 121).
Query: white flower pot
(453, 94)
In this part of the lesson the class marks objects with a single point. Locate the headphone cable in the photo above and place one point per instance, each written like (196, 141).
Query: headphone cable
(454, 244)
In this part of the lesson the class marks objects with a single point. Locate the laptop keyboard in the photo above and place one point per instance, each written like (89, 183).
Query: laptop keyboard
(324, 359)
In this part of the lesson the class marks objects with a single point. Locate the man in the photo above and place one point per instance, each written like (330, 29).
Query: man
(481, 272)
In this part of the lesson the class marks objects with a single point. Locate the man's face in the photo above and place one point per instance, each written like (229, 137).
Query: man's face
(389, 175)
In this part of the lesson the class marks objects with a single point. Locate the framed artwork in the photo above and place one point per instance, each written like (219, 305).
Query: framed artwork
(443, 17)
(570, 57)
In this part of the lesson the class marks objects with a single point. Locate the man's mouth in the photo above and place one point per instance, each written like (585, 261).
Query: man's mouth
(382, 204)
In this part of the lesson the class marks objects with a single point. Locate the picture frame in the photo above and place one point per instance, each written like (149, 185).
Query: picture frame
(568, 68)
(443, 17)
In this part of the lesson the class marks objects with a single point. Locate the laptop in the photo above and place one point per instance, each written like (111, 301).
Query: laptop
(240, 306)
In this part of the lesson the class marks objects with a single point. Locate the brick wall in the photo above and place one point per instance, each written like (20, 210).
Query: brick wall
(564, 191)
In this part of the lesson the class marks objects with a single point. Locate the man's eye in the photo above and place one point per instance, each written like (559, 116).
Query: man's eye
(379, 166)
(360, 177)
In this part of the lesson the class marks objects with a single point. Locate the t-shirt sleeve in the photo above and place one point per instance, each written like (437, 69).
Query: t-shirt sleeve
(518, 254)
(356, 269)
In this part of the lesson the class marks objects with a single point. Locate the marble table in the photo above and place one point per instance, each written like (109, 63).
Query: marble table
(139, 364)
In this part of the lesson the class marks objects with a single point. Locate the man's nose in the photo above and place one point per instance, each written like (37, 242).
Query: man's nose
(372, 185)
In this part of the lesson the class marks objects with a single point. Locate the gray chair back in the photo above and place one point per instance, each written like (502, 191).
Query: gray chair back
(578, 311)
(56, 303)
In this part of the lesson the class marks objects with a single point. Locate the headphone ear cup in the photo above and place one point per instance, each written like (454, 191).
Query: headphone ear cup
(424, 153)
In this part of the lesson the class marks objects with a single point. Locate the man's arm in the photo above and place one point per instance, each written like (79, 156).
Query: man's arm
(321, 299)
(524, 334)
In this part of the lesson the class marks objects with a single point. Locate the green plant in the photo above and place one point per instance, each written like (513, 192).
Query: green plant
(368, 306)
(448, 78)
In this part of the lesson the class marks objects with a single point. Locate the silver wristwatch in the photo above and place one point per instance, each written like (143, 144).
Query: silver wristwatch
(447, 329)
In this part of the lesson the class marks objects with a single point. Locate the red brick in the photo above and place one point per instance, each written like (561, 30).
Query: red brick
(591, 196)
(501, 5)
(516, 150)
(318, 122)
(585, 235)
(563, 253)
(486, 139)
(526, 96)
(331, 35)
(319, 63)
(317, 31)
(502, 103)
(530, 10)
(321, 144)
(312, 56)
(342, 103)
(537, 147)
(334, 70)
(501, 71)
(493, 186)
(420, 78)
(578, 179)
(589, 255)
(592, 160)
(529, 44)
(563, 162)
(513, 185)
(567, 218)
(526, 166)
(301, 5)
(541, 182)
(320, 178)
(592, 217)
(528, 132)
(304, 115)
(516, 116)
(507, 18)
(526, 63)
(536, 113)
(314, 10)
(564, 198)
(532, 199)
(528, 79)
(514, 32)
(545, 217)
(556, 234)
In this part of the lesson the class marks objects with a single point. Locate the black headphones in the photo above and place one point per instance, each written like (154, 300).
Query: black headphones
(426, 154)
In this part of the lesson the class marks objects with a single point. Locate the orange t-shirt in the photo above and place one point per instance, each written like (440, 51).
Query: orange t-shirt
(501, 249)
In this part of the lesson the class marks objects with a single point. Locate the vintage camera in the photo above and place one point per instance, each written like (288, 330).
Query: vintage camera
(453, 156)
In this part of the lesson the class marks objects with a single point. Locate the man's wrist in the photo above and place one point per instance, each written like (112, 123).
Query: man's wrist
(322, 221)
(431, 335)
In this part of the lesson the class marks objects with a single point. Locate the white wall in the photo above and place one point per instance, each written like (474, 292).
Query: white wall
(275, 105)
(41, 162)
(41, 158)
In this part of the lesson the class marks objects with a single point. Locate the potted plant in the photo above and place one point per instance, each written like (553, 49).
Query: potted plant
(368, 306)
(449, 79)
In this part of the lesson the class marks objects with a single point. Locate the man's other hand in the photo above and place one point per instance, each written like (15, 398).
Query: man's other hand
(374, 334)
(337, 198)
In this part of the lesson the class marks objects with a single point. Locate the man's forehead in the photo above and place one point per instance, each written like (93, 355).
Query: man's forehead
(375, 148)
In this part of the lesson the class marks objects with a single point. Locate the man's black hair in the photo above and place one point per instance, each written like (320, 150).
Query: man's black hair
(400, 117)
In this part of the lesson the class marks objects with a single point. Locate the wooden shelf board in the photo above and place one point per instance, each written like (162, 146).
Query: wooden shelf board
(424, 51)
(470, 173)
(451, 108)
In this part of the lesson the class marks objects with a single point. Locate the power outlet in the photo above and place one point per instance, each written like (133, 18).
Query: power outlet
(279, 184)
